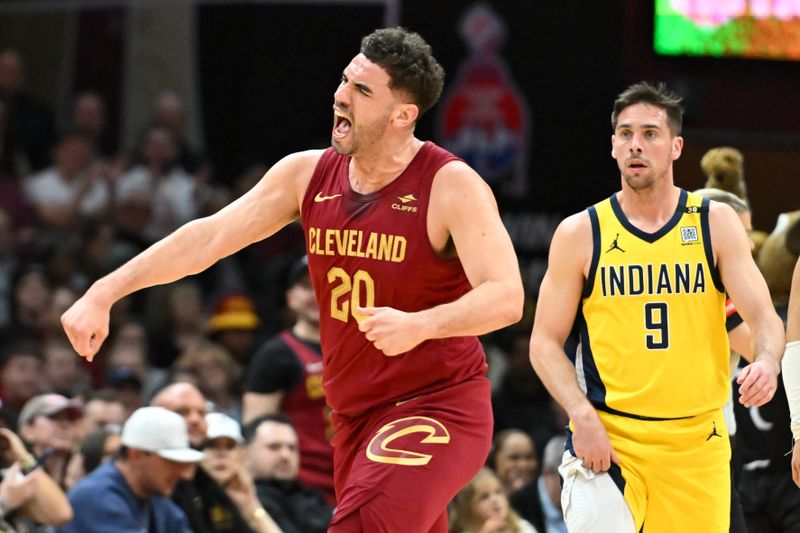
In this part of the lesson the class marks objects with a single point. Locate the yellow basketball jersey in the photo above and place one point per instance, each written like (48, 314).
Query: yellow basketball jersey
(652, 317)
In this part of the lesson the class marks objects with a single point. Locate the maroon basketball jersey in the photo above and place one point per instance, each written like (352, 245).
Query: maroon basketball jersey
(373, 250)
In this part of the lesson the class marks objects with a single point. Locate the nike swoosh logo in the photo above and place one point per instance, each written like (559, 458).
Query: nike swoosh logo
(320, 198)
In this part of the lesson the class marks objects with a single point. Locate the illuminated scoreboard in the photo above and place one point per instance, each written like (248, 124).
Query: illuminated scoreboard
(755, 29)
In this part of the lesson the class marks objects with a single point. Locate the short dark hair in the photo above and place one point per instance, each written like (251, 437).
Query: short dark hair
(656, 95)
(19, 347)
(93, 448)
(408, 60)
(249, 429)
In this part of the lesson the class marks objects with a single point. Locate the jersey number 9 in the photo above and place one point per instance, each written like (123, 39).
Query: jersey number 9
(656, 321)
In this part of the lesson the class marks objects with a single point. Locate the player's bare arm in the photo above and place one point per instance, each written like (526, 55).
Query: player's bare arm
(791, 368)
(462, 211)
(741, 342)
(560, 295)
(748, 290)
(274, 202)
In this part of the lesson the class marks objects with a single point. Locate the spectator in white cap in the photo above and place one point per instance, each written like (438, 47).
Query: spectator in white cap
(49, 423)
(224, 461)
(222, 447)
(207, 505)
(131, 494)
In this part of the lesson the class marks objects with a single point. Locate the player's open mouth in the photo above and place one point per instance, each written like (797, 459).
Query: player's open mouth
(636, 164)
(341, 125)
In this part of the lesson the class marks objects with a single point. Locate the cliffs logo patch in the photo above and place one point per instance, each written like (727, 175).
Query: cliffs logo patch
(484, 118)
(689, 235)
(405, 204)
(407, 198)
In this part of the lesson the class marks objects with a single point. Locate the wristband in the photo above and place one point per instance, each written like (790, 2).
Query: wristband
(791, 381)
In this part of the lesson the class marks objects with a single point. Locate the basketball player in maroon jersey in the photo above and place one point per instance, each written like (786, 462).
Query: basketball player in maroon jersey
(409, 261)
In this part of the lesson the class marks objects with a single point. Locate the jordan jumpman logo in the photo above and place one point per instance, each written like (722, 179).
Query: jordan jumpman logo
(713, 433)
(615, 245)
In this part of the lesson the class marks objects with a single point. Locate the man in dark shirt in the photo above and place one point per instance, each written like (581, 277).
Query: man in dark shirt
(273, 460)
(285, 376)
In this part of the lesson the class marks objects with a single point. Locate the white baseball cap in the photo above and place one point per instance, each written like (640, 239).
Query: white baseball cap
(161, 431)
(221, 425)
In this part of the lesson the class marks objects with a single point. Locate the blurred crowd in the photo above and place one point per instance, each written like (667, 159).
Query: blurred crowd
(233, 351)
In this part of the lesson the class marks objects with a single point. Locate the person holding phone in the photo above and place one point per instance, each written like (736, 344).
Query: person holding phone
(27, 493)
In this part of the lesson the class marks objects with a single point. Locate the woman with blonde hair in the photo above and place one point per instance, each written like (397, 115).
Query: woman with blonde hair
(482, 507)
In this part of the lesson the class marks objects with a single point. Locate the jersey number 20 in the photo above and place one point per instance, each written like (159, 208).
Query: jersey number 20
(350, 293)
(656, 321)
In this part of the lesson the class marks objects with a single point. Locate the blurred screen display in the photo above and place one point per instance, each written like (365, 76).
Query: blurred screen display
(755, 29)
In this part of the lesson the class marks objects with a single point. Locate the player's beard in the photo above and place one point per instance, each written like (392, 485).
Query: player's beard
(646, 179)
(363, 138)
(641, 181)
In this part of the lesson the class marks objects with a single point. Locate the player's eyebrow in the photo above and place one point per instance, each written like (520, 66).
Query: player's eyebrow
(643, 126)
(363, 87)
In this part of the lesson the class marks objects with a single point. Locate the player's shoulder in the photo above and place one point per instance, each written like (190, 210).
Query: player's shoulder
(577, 226)
(457, 173)
(458, 190)
(572, 243)
(303, 159)
(720, 210)
(722, 219)
(296, 168)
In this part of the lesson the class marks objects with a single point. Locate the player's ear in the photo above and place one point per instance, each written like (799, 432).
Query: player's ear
(677, 147)
(613, 155)
(406, 114)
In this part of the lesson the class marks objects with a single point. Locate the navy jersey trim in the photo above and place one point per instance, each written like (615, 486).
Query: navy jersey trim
(706, 229)
(587, 288)
(610, 410)
(614, 471)
(595, 388)
(568, 443)
(650, 237)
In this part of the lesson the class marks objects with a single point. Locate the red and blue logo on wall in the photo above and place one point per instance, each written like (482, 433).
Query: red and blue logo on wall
(484, 118)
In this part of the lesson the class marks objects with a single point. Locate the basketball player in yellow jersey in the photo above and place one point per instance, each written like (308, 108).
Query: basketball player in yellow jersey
(646, 271)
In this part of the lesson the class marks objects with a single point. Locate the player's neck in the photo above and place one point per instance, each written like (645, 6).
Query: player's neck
(649, 208)
(371, 172)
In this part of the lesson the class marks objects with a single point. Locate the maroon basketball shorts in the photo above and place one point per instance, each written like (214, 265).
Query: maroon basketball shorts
(398, 466)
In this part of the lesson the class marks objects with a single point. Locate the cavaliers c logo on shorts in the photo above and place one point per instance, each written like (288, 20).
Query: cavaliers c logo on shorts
(380, 450)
